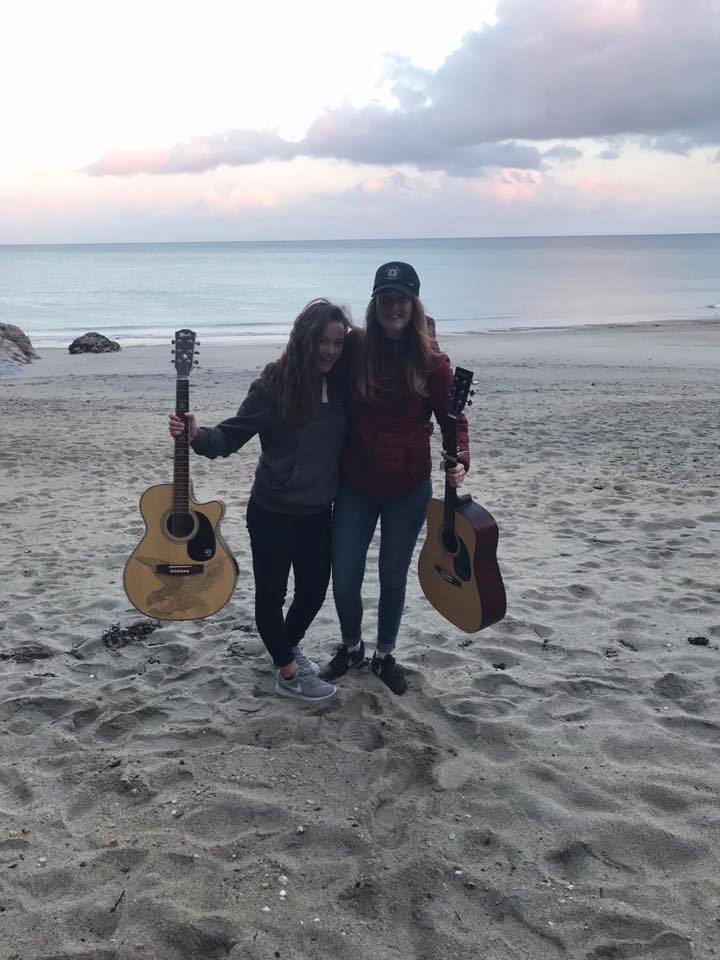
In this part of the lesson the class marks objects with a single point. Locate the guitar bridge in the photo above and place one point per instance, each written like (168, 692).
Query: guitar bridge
(179, 569)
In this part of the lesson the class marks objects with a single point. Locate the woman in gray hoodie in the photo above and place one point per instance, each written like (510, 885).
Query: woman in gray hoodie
(298, 410)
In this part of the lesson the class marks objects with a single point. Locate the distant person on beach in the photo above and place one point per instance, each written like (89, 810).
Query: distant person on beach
(297, 408)
(399, 379)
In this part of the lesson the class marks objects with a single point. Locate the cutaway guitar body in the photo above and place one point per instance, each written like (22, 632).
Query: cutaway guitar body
(458, 571)
(185, 576)
(182, 569)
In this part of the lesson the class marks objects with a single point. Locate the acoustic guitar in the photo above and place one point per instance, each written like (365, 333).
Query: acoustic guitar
(182, 569)
(458, 568)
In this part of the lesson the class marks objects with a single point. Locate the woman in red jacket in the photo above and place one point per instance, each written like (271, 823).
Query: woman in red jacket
(399, 379)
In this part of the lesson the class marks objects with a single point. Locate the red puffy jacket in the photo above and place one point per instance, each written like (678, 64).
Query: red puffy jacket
(388, 448)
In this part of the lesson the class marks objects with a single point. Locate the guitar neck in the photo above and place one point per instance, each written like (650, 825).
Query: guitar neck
(450, 502)
(181, 468)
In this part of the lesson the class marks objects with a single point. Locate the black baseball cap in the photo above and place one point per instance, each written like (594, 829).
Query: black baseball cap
(397, 276)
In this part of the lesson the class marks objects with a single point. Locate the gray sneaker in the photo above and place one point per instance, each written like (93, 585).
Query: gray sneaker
(305, 663)
(304, 686)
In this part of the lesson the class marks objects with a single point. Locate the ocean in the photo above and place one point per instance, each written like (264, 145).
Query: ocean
(233, 292)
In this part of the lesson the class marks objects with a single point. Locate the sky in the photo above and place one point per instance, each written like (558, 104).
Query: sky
(281, 120)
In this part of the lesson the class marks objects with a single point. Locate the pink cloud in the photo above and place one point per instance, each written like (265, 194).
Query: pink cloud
(511, 186)
(374, 185)
(232, 199)
(607, 13)
(125, 162)
(598, 190)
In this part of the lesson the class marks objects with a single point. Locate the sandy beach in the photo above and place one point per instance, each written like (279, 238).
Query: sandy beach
(548, 788)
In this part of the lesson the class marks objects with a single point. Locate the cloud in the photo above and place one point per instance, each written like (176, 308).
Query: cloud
(609, 153)
(372, 135)
(582, 68)
(646, 70)
(593, 193)
(672, 143)
(379, 203)
(562, 153)
(231, 199)
(512, 186)
(237, 148)
(376, 135)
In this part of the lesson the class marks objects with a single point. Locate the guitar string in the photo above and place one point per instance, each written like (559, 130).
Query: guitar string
(180, 492)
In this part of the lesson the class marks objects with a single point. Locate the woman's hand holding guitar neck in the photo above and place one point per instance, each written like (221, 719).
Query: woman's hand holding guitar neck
(456, 472)
(177, 426)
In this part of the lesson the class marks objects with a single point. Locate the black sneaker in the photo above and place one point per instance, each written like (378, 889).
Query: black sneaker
(390, 673)
(343, 660)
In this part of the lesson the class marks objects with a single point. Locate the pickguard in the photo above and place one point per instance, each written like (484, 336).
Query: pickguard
(454, 547)
(463, 568)
(203, 545)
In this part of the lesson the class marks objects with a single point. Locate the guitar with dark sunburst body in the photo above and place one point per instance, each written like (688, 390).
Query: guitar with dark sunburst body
(182, 569)
(458, 567)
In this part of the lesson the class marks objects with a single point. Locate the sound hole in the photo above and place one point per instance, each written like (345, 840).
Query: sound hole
(180, 524)
(453, 545)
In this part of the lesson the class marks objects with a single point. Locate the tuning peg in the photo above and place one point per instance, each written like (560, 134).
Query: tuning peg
(196, 362)
(172, 341)
(469, 403)
(197, 342)
(197, 353)
(472, 393)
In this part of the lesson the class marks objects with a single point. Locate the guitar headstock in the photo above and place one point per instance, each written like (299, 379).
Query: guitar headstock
(184, 352)
(461, 391)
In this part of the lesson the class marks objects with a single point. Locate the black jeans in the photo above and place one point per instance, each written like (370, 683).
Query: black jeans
(280, 541)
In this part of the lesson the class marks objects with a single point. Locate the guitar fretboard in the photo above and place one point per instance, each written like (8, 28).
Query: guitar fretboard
(181, 468)
(450, 444)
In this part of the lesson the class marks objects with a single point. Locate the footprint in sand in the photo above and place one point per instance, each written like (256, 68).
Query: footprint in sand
(122, 724)
(15, 791)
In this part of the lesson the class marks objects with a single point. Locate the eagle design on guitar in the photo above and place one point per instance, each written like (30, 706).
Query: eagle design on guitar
(458, 568)
(182, 569)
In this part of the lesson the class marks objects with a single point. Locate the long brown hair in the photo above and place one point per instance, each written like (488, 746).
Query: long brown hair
(416, 355)
(290, 380)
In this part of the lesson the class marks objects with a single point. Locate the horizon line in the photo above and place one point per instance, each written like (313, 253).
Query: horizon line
(528, 236)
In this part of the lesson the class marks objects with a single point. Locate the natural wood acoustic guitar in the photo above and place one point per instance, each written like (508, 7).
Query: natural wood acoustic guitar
(458, 567)
(182, 569)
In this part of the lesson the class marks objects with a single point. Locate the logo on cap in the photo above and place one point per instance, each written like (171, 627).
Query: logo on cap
(392, 273)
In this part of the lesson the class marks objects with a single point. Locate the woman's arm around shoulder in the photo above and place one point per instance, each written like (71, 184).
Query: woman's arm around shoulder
(232, 434)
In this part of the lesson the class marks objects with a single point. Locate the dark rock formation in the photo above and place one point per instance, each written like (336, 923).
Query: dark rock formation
(93, 343)
(15, 345)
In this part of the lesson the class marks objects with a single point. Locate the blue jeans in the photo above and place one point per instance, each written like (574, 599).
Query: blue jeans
(355, 516)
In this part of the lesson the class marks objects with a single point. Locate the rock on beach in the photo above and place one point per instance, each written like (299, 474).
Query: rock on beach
(93, 343)
(15, 345)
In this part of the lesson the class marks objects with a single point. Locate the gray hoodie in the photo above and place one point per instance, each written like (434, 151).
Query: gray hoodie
(298, 467)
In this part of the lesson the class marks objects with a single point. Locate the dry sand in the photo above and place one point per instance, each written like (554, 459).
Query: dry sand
(546, 789)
